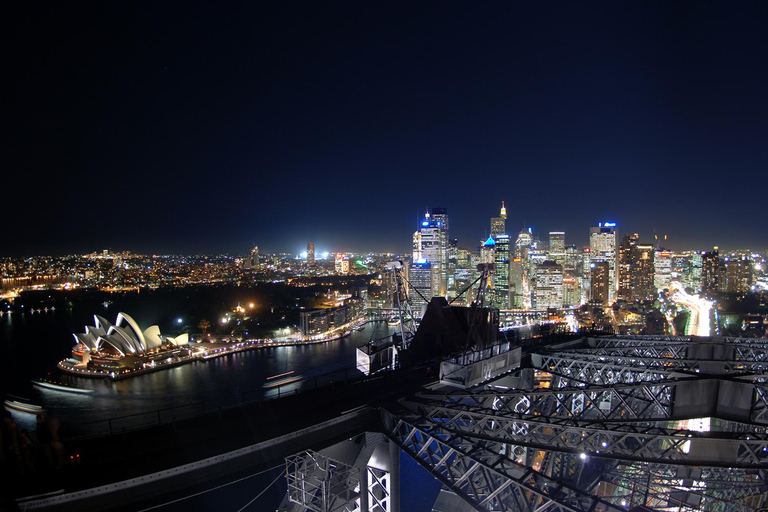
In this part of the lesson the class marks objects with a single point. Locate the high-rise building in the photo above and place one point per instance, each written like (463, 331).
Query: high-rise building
(662, 265)
(570, 290)
(627, 253)
(603, 242)
(557, 247)
(711, 271)
(499, 224)
(420, 278)
(600, 281)
(738, 275)
(255, 256)
(523, 245)
(310, 254)
(548, 286)
(500, 281)
(643, 272)
(430, 243)
(694, 271)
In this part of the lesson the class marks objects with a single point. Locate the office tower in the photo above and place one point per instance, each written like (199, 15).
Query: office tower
(430, 243)
(516, 285)
(548, 286)
(570, 290)
(499, 224)
(310, 254)
(500, 280)
(710, 271)
(255, 256)
(643, 273)
(627, 253)
(603, 242)
(440, 218)
(523, 245)
(738, 275)
(453, 250)
(694, 271)
(464, 276)
(420, 278)
(557, 247)
(662, 265)
(601, 271)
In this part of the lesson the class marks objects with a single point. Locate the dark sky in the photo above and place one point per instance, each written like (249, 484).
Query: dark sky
(166, 127)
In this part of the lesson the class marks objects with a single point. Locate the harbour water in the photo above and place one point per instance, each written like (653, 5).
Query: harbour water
(32, 344)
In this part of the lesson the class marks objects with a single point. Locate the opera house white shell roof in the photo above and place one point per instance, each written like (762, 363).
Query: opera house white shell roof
(124, 336)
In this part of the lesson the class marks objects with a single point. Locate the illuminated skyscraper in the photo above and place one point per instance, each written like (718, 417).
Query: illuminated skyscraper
(501, 293)
(694, 271)
(430, 243)
(603, 242)
(548, 286)
(643, 273)
(255, 256)
(662, 264)
(420, 278)
(557, 247)
(738, 275)
(600, 281)
(570, 290)
(499, 224)
(711, 271)
(310, 254)
(627, 254)
(523, 245)
(440, 218)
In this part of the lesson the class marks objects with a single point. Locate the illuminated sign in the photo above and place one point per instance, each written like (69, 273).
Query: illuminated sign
(610, 224)
(425, 223)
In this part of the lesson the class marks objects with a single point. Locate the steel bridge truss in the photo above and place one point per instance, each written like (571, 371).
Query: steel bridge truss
(662, 422)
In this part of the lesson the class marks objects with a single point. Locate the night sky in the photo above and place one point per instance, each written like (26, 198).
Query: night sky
(165, 127)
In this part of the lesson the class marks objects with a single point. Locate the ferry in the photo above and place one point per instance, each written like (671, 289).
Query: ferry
(393, 322)
(59, 386)
(23, 407)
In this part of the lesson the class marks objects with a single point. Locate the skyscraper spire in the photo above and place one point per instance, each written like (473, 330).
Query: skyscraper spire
(503, 211)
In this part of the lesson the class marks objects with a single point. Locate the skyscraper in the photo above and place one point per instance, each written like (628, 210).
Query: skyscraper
(420, 277)
(711, 271)
(440, 218)
(627, 254)
(501, 293)
(603, 242)
(738, 275)
(549, 286)
(310, 254)
(557, 247)
(430, 243)
(255, 256)
(643, 273)
(600, 281)
(499, 224)
(662, 264)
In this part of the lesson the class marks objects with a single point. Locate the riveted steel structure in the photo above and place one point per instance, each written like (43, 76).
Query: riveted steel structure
(665, 422)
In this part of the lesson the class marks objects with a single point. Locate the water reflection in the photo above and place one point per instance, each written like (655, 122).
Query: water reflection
(171, 393)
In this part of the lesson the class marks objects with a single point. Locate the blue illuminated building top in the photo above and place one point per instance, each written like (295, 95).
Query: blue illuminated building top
(489, 242)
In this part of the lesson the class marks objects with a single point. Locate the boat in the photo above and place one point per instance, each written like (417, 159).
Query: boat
(23, 407)
(59, 386)
(393, 322)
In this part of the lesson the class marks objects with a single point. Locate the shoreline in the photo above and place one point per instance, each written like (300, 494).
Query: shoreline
(208, 351)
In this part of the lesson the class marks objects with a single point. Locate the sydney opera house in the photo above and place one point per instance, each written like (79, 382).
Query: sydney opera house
(122, 347)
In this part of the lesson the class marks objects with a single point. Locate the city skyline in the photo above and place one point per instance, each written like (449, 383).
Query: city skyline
(208, 130)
